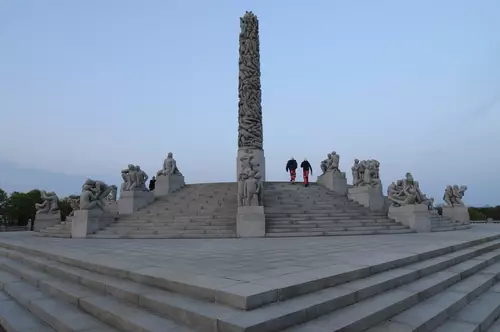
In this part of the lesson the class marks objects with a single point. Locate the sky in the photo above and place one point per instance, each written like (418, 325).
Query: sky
(87, 87)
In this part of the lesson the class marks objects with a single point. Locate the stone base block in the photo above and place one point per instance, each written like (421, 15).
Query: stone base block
(457, 213)
(251, 221)
(43, 220)
(258, 158)
(369, 197)
(167, 184)
(337, 182)
(131, 201)
(86, 222)
(415, 216)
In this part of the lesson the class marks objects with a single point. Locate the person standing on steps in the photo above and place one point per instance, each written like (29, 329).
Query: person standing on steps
(291, 166)
(152, 183)
(306, 168)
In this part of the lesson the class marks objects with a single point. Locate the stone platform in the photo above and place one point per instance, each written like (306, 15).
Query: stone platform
(407, 282)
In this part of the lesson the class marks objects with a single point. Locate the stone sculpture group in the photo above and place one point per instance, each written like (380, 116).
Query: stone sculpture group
(134, 178)
(331, 164)
(453, 195)
(366, 173)
(50, 204)
(94, 195)
(407, 191)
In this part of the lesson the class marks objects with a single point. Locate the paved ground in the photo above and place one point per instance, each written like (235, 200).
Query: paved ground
(246, 259)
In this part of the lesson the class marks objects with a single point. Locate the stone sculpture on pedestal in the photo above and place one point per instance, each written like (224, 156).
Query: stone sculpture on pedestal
(249, 92)
(133, 178)
(409, 205)
(47, 212)
(93, 214)
(50, 204)
(454, 207)
(367, 187)
(332, 178)
(169, 178)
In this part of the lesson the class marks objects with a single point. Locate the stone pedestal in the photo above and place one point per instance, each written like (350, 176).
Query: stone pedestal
(86, 222)
(133, 200)
(457, 213)
(415, 216)
(44, 220)
(251, 221)
(258, 158)
(369, 197)
(337, 182)
(167, 184)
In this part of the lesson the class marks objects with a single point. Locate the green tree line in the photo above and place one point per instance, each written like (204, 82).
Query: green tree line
(18, 208)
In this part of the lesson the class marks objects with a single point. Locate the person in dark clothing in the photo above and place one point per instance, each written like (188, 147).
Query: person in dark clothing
(291, 166)
(306, 168)
(152, 183)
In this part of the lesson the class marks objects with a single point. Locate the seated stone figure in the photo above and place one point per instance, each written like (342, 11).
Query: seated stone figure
(169, 166)
(50, 204)
(88, 200)
(326, 163)
(141, 179)
(129, 176)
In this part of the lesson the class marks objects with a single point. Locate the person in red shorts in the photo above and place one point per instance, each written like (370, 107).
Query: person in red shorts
(291, 166)
(306, 168)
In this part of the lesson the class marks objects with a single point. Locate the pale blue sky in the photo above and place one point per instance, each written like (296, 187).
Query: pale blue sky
(87, 87)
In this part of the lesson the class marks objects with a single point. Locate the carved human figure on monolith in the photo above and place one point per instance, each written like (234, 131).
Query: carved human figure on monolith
(249, 88)
(169, 166)
(252, 190)
(50, 204)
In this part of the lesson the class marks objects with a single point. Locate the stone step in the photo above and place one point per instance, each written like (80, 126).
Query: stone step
(162, 236)
(201, 226)
(159, 231)
(339, 233)
(314, 214)
(290, 299)
(56, 313)
(326, 229)
(330, 224)
(15, 317)
(451, 228)
(428, 301)
(58, 235)
(478, 315)
(68, 306)
(339, 222)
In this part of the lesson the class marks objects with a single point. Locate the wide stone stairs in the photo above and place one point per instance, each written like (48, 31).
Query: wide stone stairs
(450, 289)
(62, 230)
(293, 210)
(196, 211)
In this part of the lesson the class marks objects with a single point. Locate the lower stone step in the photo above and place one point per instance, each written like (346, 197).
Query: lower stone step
(161, 236)
(340, 233)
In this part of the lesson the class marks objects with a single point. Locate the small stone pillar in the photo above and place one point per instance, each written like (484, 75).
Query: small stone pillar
(335, 181)
(44, 220)
(251, 221)
(133, 200)
(370, 197)
(167, 184)
(457, 213)
(86, 222)
(415, 216)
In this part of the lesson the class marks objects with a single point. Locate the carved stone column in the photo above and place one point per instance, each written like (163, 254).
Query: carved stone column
(250, 138)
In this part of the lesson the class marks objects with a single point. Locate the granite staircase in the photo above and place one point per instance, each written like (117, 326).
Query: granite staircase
(444, 224)
(62, 230)
(196, 211)
(293, 210)
(448, 289)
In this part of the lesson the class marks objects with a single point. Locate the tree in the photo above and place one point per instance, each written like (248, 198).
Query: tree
(4, 198)
(20, 207)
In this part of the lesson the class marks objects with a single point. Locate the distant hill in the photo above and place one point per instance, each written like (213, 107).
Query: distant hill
(16, 178)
